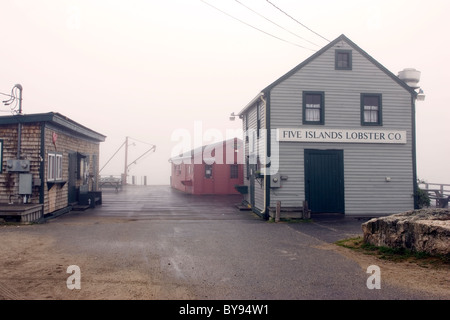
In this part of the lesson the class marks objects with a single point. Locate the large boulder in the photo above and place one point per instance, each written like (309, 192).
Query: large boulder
(425, 230)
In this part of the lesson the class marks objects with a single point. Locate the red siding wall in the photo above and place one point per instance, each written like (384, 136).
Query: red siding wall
(191, 178)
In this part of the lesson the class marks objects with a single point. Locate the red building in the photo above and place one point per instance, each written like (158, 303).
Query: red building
(211, 169)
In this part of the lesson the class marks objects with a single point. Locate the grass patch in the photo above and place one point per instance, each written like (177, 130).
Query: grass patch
(396, 254)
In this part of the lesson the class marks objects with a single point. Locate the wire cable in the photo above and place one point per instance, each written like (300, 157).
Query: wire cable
(112, 157)
(13, 101)
(5, 94)
(275, 23)
(297, 21)
(140, 141)
(249, 25)
(142, 155)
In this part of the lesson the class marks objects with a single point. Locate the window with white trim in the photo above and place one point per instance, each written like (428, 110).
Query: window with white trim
(54, 166)
(58, 167)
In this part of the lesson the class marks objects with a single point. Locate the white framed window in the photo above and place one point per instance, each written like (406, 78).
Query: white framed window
(58, 166)
(54, 166)
(51, 167)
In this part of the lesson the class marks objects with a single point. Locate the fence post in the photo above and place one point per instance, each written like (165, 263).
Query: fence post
(306, 212)
(277, 212)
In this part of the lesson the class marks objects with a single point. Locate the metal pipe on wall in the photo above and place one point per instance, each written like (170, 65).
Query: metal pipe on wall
(19, 125)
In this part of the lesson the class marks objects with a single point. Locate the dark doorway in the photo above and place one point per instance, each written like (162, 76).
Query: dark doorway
(72, 181)
(324, 181)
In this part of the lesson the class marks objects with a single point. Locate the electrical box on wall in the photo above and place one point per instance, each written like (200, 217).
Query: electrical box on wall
(25, 183)
(15, 165)
(275, 181)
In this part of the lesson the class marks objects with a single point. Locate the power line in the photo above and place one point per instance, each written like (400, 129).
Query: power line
(141, 141)
(13, 101)
(275, 23)
(8, 95)
(112, 157)
(247, 24)
(297, 21)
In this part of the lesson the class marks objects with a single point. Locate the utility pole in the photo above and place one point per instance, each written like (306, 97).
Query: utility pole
(124, 179)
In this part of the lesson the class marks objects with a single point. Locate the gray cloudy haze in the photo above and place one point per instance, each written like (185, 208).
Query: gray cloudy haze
(145, 69)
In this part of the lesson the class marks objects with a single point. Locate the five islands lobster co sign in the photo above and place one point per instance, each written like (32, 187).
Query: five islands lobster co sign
(341, 136)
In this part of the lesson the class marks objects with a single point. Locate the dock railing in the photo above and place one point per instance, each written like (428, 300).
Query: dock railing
(110, 182)
(439, 193)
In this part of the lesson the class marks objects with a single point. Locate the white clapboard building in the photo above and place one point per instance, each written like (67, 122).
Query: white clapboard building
(337, 131)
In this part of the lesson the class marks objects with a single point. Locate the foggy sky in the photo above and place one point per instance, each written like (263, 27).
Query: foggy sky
(145, 69)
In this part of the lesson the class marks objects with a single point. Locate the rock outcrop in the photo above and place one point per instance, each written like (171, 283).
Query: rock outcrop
(425, 230)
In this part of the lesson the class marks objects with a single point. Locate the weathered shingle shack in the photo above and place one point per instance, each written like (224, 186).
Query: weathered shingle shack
(50, 163)
(338, 131)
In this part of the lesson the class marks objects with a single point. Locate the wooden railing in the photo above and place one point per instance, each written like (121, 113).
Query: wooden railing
(439, 193)
(111, 182)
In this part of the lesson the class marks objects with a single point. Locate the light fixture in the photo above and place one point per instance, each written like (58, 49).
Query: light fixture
(421, 95)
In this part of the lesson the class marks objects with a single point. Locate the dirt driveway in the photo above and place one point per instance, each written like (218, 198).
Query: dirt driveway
(136, 263)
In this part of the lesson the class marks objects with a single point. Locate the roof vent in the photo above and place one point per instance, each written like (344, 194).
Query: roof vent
(410, 76)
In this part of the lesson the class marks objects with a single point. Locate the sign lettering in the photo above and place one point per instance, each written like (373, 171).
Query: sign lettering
(342, 136)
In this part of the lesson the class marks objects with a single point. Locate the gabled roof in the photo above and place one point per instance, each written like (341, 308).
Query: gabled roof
(200, 150)
(56, 119)
(342, 37)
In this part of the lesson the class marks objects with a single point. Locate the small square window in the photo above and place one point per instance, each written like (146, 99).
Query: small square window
(208, 171)
(343, 60)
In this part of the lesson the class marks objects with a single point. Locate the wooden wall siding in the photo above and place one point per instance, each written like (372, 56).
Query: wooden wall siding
(261, 146)
(56, 197)
(246, 181)
(365, 165)
(365, 170)
(30, 146)
(342, 93)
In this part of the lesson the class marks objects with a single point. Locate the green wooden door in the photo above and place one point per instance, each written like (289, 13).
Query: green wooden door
(324, 181)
